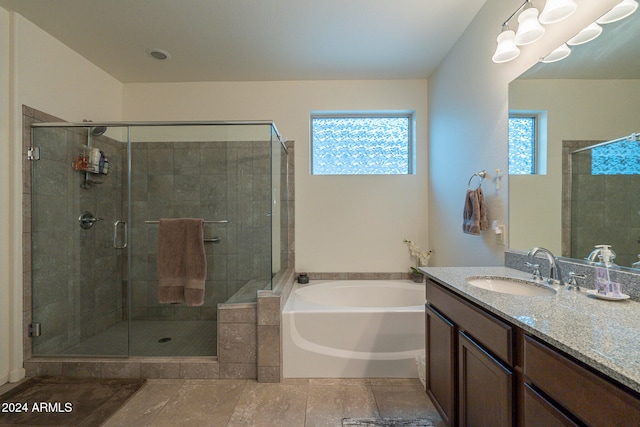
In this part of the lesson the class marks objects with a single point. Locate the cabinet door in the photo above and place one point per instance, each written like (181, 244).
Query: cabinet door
(539, 412)
(440, 372)
(485, 387)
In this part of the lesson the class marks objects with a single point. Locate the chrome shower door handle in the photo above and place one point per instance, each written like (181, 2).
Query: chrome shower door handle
(115, 235)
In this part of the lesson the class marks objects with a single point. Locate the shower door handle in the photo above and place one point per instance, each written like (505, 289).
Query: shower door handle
(115, 235)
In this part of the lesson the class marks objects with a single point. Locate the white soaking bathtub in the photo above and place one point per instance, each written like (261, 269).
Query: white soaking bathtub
(353, 329)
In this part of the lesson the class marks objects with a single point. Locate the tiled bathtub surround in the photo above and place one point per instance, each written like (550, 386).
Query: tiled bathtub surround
(358, 276)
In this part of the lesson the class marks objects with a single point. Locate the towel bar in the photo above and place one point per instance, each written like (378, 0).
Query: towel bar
(214, 239)
(482, 174)
(222, 221)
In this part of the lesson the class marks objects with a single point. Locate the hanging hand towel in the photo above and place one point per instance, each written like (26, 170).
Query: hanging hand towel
(483, 222)
(182, 264)
(471, 214)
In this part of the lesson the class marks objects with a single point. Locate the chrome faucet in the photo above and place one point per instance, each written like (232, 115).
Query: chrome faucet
(555, 274)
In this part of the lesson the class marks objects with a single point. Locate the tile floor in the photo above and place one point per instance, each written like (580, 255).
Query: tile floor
(294, 402)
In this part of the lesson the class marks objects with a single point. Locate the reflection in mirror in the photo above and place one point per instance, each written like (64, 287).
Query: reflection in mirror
(588, 98)
(601, 205)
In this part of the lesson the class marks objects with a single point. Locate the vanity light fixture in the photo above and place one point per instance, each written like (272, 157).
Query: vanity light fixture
(529, 28)
(586, 35)
(529, 31)
(558, 54)
(507, 49)
(557, 10)
(619, 11)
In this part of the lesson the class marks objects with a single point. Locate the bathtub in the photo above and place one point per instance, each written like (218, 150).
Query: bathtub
(353, 329)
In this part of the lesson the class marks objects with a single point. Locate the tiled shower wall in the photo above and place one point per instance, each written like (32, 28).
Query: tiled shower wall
(598, 208)
(76, 273)
(209, 180)
(261, 345)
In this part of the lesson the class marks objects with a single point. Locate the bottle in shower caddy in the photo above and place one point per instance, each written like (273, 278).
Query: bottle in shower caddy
(606, 272)
(81, 162)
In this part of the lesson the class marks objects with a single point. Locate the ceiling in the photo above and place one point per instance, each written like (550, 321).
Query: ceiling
(254, 40)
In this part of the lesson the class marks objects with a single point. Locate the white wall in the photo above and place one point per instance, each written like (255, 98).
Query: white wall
(468, 105)
(40, 72)
(578, 110)
(343, 224)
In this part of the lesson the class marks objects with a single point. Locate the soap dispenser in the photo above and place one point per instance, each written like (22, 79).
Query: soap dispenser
(606, 272)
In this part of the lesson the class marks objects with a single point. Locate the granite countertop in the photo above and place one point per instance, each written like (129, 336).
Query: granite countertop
(603, 334)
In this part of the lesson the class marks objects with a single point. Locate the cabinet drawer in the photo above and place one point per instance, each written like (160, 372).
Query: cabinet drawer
(539, 412)
(588, 396)
(493, 334)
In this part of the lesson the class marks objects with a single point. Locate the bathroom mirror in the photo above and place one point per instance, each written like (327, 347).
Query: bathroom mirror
(587, 98)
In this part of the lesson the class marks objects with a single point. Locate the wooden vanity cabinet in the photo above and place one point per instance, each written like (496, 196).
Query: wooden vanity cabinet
(440, 364)
(469, 356)
(483, 371)
(485, 387)
(576, 390)
(538, 411)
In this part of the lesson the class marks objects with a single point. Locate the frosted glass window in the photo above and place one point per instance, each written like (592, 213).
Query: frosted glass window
(522, 145)
(361, 144)
(620, 158)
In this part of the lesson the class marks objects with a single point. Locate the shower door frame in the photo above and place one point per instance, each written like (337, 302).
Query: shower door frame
(129, 213)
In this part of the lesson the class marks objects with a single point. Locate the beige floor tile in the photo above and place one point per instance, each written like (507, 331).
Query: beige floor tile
(395, 381)
(339, 381)
(198, 404)
(146, 404)
(327, 405)
(270, 405)
(404, 401)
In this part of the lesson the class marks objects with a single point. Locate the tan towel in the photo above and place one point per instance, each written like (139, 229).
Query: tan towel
(475, 212)
(470, 223)
(182, 264)
(483, 221)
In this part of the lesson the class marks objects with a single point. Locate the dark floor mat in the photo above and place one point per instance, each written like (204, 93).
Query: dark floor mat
(57, 401)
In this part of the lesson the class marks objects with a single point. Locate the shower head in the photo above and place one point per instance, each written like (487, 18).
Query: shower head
(98, 130)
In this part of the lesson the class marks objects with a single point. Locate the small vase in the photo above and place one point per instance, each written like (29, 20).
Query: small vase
(417, 277)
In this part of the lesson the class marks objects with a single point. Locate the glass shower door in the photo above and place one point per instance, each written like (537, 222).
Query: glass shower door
(77, 274)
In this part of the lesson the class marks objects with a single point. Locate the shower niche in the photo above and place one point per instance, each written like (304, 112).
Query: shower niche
(97, 194)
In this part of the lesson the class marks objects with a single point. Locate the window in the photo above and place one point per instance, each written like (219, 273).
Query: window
(361, 144)
(620, 158)
(526, 144)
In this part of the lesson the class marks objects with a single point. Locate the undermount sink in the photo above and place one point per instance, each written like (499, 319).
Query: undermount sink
(507, 285)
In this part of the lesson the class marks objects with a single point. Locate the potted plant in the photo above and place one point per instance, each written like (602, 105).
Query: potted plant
(422, 260)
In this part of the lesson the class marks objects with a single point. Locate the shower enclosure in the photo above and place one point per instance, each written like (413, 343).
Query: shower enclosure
(604, 182)
(98, 192)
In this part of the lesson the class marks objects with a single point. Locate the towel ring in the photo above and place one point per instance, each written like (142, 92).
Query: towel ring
(481, 175)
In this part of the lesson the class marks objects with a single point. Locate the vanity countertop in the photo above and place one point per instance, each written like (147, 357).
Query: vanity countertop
(603, 334)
